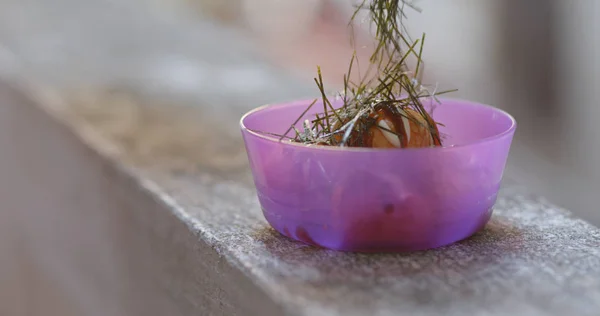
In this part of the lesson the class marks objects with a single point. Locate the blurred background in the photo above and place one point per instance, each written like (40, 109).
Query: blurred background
(538, 59)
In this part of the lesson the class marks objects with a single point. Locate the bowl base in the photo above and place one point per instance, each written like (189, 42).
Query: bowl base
(379, 241)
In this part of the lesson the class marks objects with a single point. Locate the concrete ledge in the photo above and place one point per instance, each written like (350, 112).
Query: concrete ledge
(109, 235)
(96, 240)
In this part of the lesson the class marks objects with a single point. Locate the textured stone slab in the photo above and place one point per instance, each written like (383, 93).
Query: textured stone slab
(532, 259)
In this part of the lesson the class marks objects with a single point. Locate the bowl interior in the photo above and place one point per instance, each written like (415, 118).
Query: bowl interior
(462, 122)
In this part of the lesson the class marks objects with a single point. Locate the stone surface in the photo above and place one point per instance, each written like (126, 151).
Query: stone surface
(197, 243)
(531, 259)
(81, 236)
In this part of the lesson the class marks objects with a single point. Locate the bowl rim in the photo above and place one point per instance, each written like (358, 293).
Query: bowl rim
(270, 138)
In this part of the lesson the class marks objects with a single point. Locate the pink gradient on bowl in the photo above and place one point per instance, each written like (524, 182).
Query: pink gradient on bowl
(380, 200)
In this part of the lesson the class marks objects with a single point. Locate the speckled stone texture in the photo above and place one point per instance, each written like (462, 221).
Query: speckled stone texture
(532, 259)
(204, 247)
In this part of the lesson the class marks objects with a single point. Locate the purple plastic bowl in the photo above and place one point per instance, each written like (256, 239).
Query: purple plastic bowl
(372, 200)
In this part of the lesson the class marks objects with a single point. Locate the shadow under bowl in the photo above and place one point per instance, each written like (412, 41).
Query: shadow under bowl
(380, 200)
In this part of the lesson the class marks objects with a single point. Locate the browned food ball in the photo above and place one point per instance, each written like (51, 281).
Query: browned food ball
(403, 129)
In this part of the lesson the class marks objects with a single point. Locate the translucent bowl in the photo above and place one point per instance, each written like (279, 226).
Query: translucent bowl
(380, 200)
